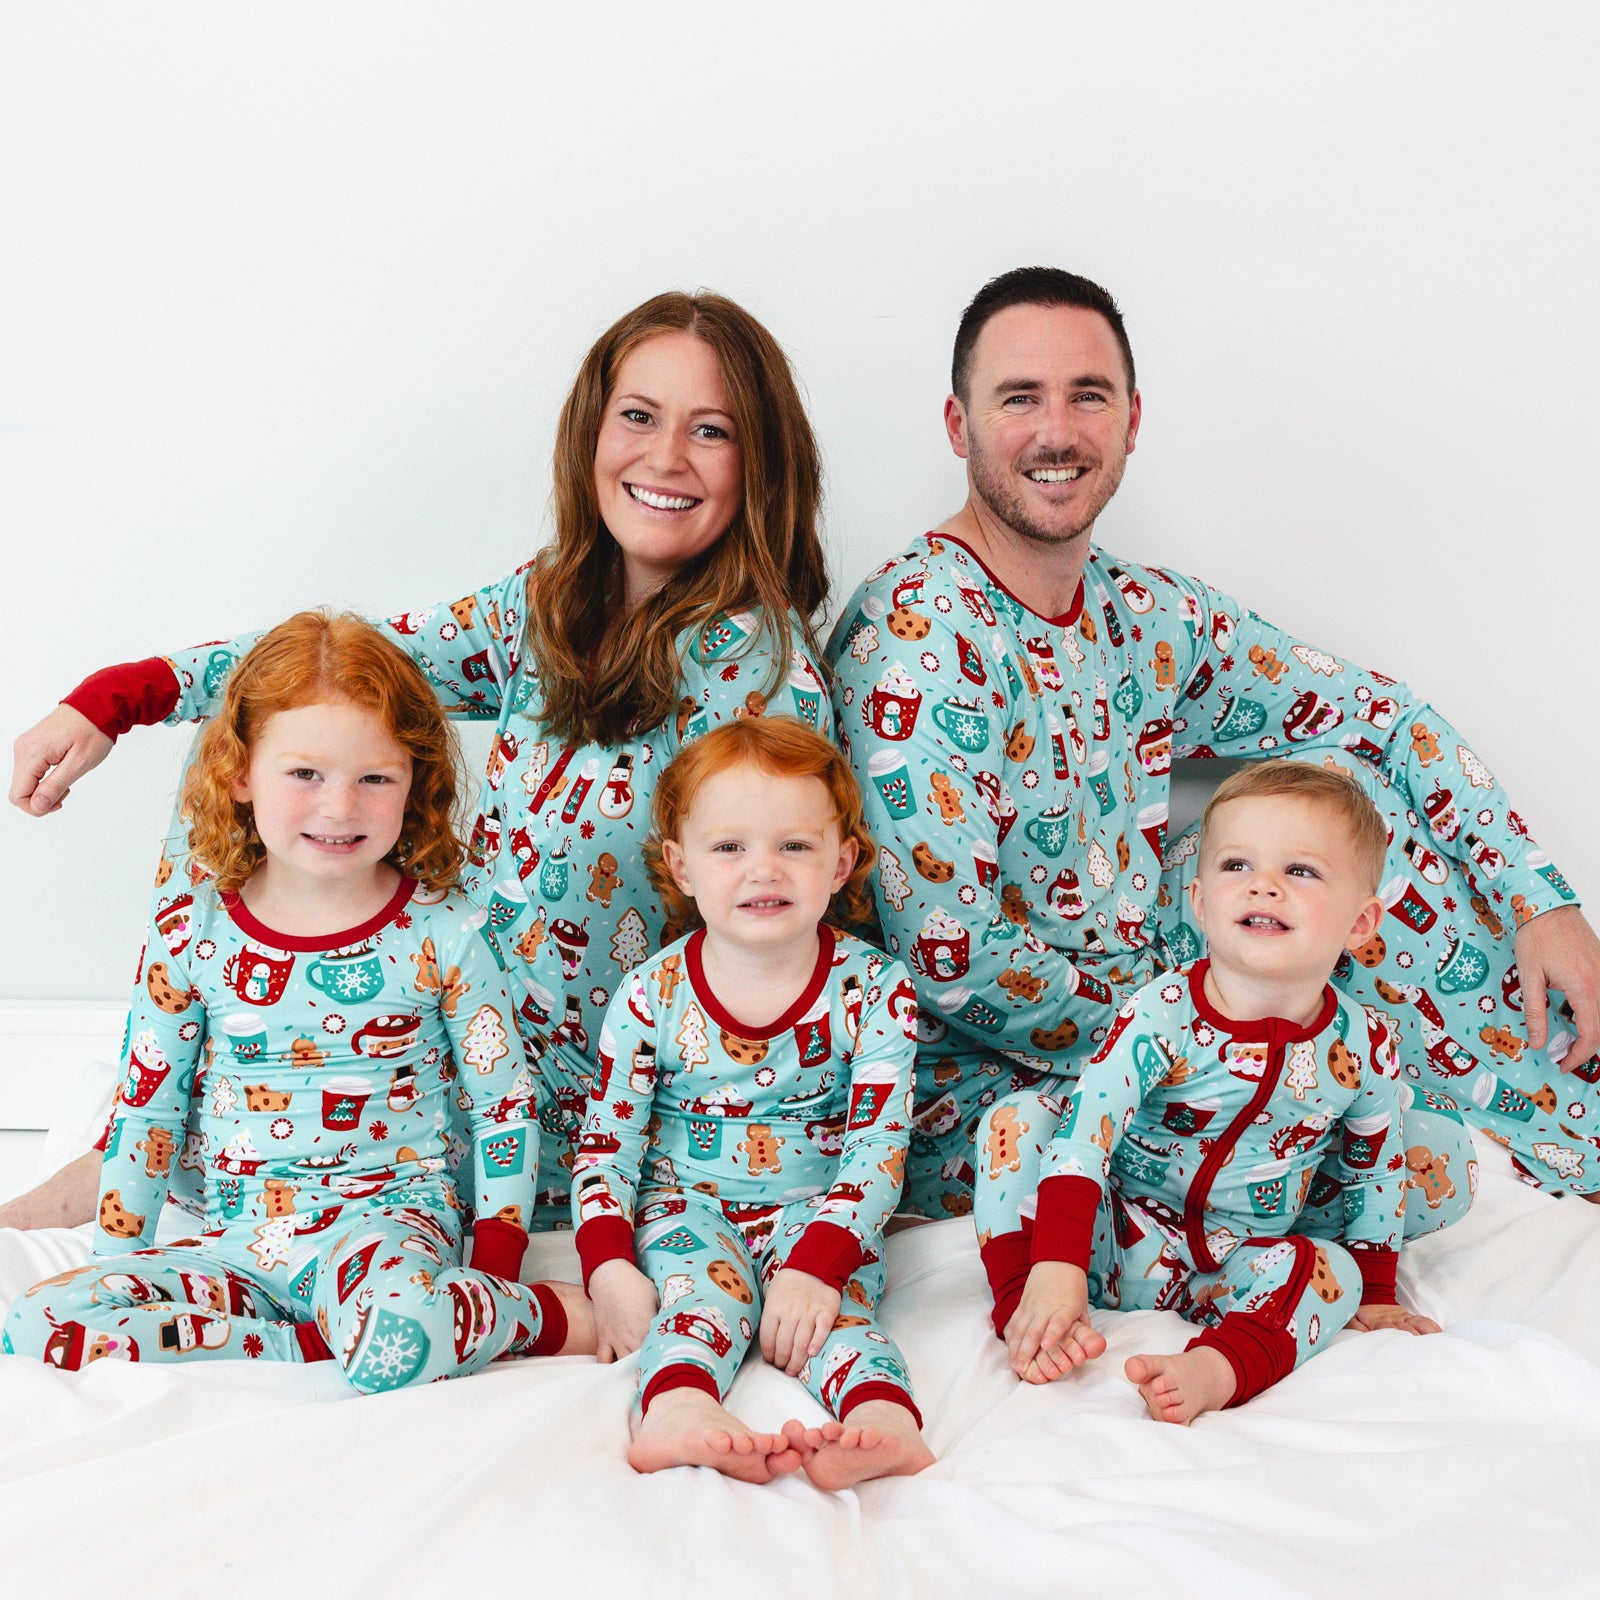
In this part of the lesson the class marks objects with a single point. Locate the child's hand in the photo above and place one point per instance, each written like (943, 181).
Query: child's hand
(799, 1312)
(624, 1302)
(1049, 1333)
(1370, 1318)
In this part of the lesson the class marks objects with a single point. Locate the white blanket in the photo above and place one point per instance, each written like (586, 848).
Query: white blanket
(1465, 1464)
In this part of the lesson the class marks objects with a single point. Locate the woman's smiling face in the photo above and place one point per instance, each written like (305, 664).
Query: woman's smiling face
(668, 466)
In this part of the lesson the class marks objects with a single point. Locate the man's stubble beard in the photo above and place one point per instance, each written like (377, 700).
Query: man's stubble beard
(992, 484)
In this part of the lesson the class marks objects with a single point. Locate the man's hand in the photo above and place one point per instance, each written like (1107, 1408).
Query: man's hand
(624, 1302)
(1370, 1318)
(51, 756)
(1049, 1333)
(1559, 950)
(799, 1312)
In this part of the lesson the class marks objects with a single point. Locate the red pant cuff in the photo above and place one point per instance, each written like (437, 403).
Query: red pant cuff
(680, 1375)
(878, 1389)
(552, 1321)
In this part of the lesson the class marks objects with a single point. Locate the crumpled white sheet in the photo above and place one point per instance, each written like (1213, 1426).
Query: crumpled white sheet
(1461, 1465)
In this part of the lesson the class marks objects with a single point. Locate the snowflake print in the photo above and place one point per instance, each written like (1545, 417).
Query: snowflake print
(379, 1129)
(966, 894)
(730, 672)
(586, 829)
(253, 1344)
(350, 983)
(281, 1128)
(206, 949)
(333, 1023)
(393, 1355)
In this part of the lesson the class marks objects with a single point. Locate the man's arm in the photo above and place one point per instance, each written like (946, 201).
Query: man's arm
(1255, 691)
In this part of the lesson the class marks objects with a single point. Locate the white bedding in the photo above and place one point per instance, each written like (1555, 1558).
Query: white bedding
(1464, 1464)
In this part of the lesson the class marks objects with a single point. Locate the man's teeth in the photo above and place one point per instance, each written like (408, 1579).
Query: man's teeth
(1055, 474)
(661, 502)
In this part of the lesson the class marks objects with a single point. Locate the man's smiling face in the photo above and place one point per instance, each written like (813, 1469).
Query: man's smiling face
(1048, 420)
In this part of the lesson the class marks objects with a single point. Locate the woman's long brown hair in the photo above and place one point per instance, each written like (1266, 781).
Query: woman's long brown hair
(601, 683)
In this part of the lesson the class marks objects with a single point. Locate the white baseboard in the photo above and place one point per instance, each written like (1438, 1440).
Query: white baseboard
(43, 1047)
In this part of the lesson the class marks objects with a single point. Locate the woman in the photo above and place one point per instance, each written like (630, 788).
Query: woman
(678, 592)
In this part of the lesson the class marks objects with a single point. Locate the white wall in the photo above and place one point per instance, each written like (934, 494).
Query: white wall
(288, 306)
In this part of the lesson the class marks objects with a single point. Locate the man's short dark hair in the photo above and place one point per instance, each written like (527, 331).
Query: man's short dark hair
(1031, 286)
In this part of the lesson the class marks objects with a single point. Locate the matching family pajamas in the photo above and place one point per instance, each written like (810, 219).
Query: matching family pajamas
(1178, 1171)
(322, 1081)
(556, 852)
(1017, 772)
(716, 1153)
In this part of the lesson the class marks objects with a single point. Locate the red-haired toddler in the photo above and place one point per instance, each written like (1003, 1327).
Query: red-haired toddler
(748, 1122)
(328, 1007)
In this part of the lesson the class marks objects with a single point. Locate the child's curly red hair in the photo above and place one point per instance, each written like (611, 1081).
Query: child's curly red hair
(315, 657)
(782, 747)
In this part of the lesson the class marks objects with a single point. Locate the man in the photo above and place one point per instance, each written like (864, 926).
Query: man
(1013, 697)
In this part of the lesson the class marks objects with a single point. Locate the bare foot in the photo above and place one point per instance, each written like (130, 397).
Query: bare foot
(581, 1339)
(63, 1200)
(687, 1428)
(1182, 1387)
(881, 1440)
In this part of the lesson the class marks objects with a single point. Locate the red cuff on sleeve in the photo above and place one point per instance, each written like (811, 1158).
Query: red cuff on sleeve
(603, 1239)
(497, 1247)
(1378, 1269)
(826, 1251)
(130, 695)
(1064, 1228)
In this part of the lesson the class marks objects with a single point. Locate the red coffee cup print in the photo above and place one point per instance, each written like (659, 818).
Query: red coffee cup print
(572, 940)
(257, 974)
(892, 705)
(344, 1103)
(147, 1071)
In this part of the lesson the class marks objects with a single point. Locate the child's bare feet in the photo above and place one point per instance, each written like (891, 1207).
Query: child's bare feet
(580, 1340)
(881, 1440)
(1182, 1387)
(687, 1428)
(63, 1200)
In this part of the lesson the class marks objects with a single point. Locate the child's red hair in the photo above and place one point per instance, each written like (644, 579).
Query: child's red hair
(782, 747)
(319, 657)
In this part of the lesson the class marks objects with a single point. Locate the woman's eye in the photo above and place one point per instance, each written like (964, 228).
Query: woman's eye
(635, 415)
(710, 430)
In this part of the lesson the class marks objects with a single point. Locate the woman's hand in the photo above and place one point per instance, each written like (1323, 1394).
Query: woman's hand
(799, 1312)
(624, 1301)
(51, 756)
